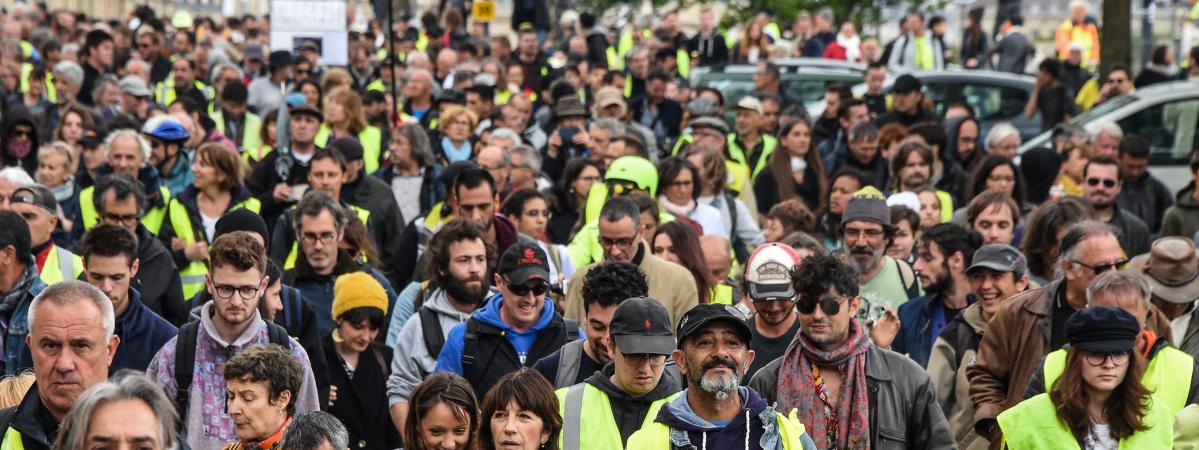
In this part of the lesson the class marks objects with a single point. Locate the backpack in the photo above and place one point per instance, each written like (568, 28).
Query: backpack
(908, 277)
(185, 359)
(739, 250)
(292, 315)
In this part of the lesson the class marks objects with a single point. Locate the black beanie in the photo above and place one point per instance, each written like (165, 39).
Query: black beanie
(242, 219)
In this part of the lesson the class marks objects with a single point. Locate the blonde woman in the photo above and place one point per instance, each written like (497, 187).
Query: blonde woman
(54, 164)
(13, 388)
(453, 141)
(344, 116)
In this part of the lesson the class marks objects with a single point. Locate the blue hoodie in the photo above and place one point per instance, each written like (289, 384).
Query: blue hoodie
(450, 359)
(686, 427)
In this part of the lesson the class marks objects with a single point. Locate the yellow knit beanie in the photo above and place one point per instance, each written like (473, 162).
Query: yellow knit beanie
(356, 290)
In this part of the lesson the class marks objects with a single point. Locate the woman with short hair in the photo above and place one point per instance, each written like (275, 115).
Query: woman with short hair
(262, 383)
(452, 142)
(521, 412)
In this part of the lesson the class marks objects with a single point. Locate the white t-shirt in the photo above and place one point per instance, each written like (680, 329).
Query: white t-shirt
(1100, 438)
(209, 224)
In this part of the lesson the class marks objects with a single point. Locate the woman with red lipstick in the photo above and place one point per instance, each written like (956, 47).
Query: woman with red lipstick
(359, 367)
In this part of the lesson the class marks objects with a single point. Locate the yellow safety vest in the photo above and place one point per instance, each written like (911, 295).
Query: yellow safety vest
(1033, 424)
(736, 153)
(60, 265)
(251, 156)
(165, 91)
(250, 137)
(290, 263)
(947, 205)
(192, 276)
(51, 93)
(371, 139)
(587, 417)
(615, 61)
(376, 85)
(685, 138)
(12, 440)
(657, 435)
(152, 219)
(1168, 375)
(721, 294)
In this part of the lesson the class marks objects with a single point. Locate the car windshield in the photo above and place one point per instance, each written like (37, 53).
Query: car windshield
(1103, 108)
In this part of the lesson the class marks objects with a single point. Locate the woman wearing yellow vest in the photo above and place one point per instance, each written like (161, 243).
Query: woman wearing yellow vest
(344, 116)
(1099, 401)
(192, 215)
(266, 141)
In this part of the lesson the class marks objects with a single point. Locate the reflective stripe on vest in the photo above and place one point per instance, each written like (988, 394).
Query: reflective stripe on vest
(1033, 424)
(192, 276)
(568, 364)
(12, 440)
(290, 262)
(1168, 375)
(587, 417)
(60, 265)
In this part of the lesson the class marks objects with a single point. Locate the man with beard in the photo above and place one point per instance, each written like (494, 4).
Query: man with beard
(849, 392)
(946, 250)
(458, 270)
(866, 231)
(767, 286)
(1102, 186)
(604, 288)
(713, 411)
(912, 166)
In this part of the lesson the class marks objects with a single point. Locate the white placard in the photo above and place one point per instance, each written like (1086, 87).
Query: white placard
(321, 22)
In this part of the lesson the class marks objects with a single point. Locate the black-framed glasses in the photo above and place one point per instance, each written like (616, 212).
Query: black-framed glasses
(830, 305)
(118, 219)
(1104, 267)
(1107, 182)
(521, 290)
(226, 291)
(623, 243)
(1099, 359)
(637, 359)
(311, 238)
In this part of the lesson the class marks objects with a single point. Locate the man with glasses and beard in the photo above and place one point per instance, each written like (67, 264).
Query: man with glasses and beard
(458, 270)
(946, 250)
(850, 393)
(1103, 185)
(513, 329)
(714, 411)
(866, 232)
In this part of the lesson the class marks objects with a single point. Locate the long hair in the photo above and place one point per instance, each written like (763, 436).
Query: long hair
(448, 389)
(351, 103)
(531, 392)
(1124, 410)
(1040, 243)
(418, 143)
(438, 251)
(713, 170)
(76, 109)
(978, 180)
(686, 246)
(780, 167)
(745, 42)
(564, 197)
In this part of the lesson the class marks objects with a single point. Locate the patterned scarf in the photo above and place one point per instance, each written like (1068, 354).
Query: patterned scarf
(9, 300)
(845, 425)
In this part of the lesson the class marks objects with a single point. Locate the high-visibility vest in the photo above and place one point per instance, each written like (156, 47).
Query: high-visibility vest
(12, 440)
(1168, 375)
(250, 135)
(252, 155)
(60, 265)
(736, 153)
(685, 138)
(721, 294)
(657, 434)
(615, 62)
(164, 93)
(947, 205)
(371, 139)
(152, 219)
(682, 59)
(51, 93)
(363, 215)
(1033, 423)
(587, 417)
(376, 85)
(192, 275)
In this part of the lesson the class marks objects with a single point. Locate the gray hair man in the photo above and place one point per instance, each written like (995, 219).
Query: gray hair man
(315, 430)
(129, 411)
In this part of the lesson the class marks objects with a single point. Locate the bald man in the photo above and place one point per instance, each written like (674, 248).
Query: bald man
(719, 260)
(498, 163)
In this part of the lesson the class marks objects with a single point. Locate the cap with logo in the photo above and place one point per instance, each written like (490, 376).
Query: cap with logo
(1000, 258)
(768, 273)
(522, 262)
(93, 136)
(641, 325)
(36, 195)
(867, 205)
(698, 317)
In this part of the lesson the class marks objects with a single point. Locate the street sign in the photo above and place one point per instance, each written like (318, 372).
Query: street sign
(483, 10)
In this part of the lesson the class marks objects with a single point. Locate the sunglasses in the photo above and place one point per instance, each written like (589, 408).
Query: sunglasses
(1107, 182)
(521, 290)
(1100, 268)
(830, 305)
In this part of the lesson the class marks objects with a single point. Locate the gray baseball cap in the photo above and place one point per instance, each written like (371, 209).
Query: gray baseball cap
(135, 86)
(999, 257)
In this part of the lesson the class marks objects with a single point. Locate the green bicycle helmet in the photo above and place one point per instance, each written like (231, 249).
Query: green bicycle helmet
(634, 169)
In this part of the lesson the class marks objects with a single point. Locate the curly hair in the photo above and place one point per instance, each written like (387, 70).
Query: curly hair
(817, 273)
(611, 282)
(272, 364)
(454, 231)
(794, 215)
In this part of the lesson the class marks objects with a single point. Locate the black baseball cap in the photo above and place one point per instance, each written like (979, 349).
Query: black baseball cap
(1000, 258)
(349, 147)
(36, 195)
(306, 109)
(1103, 329)
(641, 325)
(906, 83)
(522, 262)
(93, 136)
(699, 316)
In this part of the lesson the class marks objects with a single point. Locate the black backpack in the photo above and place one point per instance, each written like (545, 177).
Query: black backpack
(185, 359)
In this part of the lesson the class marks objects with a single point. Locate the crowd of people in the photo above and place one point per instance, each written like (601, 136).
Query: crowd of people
(551, 239)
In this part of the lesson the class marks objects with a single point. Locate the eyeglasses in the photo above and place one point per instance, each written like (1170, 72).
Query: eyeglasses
(20, 132)
(681, 183)
(624, 243)
(115, 219)
(311, 238)
(538, 213)
(1100, 268)
(637, 359)
(226, 291)
(1099, 359)
(830, 305)
(871, 234)
(1107, 182)
(521, 290)
(589, 179)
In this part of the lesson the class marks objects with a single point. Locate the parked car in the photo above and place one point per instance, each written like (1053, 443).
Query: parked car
(1164, 113)
(802, 78)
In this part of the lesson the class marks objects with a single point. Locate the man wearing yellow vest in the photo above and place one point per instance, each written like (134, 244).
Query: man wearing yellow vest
(36, 204)
(127, 154)
(234, 121)
(747, 145)
(326, 173)
(33, 423)
(766, 286)
(605, 410)
(183, 84)
(719, 261)
(713, 411)
(1171, 374)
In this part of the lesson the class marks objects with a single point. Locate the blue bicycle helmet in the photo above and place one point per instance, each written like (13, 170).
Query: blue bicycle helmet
(167, 129)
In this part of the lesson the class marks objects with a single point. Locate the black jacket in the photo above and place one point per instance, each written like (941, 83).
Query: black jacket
(266, 175)
(32, 420)
(430, 191)
(629, 411)
(670, 116)
(158, 278)
(362, 400)
(187, 198)
(710, 51)
(17, 115)
(386, 221)
(493, 355)
(1147, 198)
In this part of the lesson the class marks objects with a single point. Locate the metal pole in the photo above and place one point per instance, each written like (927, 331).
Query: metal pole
(391, 58)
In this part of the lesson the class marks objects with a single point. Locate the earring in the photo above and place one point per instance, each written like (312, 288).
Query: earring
(337, 336)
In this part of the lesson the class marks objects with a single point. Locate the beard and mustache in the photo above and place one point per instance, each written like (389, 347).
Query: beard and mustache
(719, 385)
(461, 290)
(865, 258)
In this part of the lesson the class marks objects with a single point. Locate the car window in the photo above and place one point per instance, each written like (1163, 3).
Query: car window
(990, 102)
(1169, 126)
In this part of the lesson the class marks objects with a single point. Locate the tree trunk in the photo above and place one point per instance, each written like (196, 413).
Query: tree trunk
(1115, 41)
